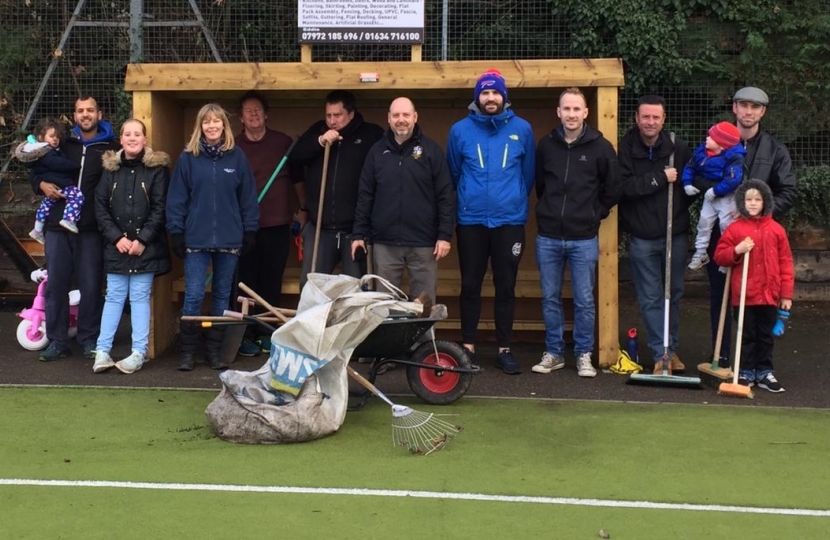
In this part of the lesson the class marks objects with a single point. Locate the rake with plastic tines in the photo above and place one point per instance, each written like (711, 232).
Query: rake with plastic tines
(419, 432)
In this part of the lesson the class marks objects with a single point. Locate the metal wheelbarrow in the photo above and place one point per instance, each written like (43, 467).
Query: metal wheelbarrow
(438, 371)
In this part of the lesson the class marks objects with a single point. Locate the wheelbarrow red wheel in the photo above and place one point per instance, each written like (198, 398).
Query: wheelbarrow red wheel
(435, 386)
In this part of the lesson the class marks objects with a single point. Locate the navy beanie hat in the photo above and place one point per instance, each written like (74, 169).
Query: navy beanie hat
(490, 80)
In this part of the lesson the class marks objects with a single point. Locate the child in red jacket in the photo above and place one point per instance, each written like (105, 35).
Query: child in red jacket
(770, 281)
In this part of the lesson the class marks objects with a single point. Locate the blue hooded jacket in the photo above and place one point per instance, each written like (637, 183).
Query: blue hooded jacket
(726, 168)
(492, 164)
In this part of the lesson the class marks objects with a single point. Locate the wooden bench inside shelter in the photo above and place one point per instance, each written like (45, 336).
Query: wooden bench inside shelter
(167, 96)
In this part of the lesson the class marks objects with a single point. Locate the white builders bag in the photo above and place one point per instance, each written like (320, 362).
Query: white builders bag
(301, 393)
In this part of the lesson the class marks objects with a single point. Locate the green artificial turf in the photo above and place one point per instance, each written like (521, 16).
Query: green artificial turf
(740, 456)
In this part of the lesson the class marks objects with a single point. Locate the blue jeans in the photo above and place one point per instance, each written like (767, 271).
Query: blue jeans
(195, 273)
(581, 256)
(648, 267)
(138, 287)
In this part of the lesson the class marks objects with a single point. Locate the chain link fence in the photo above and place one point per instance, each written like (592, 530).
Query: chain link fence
(54, 50)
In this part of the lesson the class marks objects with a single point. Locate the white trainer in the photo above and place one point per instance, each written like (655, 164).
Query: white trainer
(103, 361)
(550, 362)
(584, 367)
(37, 235)
(131, 364)
(69, 225)
(699, 260)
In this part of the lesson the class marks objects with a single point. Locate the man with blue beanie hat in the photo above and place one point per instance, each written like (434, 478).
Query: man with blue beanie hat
(491, 156)
(490, 80)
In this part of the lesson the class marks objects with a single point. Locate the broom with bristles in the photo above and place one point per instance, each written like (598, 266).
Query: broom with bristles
(419, 432)
(733, 388)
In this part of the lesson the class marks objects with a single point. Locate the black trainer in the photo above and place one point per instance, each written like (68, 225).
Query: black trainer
(507, 363)
(472, 356)
(89, 350)
(53, 352)
(743, 381)
(770, 383)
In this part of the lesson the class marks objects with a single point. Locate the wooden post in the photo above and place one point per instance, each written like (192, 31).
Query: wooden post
(416, 52)
(608, 279)
(162, 115)
(305, 54)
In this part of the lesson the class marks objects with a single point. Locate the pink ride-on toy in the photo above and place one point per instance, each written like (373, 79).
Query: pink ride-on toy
(31, 332)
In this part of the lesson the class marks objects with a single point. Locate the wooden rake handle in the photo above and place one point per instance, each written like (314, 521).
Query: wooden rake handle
(364, 382)
(261, 301)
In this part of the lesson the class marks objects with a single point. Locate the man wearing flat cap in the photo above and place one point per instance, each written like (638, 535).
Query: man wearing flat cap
(768, 160)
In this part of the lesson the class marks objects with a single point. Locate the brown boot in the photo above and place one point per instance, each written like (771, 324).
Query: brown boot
(658, 368)
(676, 365)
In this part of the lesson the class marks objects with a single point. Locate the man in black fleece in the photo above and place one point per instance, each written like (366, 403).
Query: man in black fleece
(406, 205)
(646, 179)
(350, 139)
(575, 188)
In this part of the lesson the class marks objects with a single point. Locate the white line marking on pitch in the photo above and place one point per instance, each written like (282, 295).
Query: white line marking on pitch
(418, 494)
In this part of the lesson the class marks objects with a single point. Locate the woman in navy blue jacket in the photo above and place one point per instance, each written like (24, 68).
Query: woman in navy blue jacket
(212, 217)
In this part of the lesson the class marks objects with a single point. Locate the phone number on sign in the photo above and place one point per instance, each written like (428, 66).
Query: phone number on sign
(361, 36)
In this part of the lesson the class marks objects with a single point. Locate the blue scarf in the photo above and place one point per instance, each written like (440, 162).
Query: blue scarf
(213, 151)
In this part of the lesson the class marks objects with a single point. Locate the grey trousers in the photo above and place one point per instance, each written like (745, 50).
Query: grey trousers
(419, 262)
(335, 248)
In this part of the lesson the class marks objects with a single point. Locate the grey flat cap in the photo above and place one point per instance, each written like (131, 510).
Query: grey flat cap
(750, 93)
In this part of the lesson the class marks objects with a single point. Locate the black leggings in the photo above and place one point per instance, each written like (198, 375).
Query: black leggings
(757, 342)
(503, 248)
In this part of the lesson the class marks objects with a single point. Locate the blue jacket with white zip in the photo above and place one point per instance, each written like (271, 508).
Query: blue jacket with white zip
(492, 164)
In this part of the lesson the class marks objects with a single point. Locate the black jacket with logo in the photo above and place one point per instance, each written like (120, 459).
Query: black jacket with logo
(643, 192)
(406, 196)
(575, 184)
(343, 175)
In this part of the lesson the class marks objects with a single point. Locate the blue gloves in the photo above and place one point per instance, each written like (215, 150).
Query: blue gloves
(781, 324)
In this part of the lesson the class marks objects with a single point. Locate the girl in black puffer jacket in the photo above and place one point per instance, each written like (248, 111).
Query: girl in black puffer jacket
(129, 206)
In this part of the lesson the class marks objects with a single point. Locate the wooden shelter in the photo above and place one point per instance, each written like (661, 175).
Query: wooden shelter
(166, 98)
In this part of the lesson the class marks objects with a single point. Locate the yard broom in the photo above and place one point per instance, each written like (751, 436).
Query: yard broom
(733, 388)
(419, 432)
(714, 373)
(666, 378)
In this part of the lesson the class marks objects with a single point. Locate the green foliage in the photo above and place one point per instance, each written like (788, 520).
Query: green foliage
(813, 204)
(714, 47)
(645, 36)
